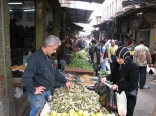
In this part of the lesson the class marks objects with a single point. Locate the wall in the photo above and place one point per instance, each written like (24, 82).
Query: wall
(7, 107)
(109, 8)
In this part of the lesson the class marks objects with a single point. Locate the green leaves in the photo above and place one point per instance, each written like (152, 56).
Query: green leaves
(102, 74)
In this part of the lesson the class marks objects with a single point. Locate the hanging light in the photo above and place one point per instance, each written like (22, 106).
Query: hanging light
(15, 3)
(25, 10)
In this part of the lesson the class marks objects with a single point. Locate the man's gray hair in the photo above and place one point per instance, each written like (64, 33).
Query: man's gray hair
(51, 40)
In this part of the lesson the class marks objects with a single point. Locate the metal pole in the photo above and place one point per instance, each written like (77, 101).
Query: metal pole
(4, 58)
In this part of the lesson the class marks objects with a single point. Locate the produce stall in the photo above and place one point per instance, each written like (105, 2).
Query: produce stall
(80, 65)
(80, 101)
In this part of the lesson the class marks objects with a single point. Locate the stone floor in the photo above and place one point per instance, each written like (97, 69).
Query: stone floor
(146, 99)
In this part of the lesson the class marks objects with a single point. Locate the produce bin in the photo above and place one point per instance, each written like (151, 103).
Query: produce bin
(78, 71)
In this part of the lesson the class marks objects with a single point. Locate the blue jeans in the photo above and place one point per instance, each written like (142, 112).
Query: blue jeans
(63, 64)
(37, 101)
(142, 79)
(103, 64)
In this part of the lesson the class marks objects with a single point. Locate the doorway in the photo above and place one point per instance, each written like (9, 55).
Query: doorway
(146, 35)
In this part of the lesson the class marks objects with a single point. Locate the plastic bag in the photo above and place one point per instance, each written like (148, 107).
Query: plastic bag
(151, 71)
(46, 109)
(111, 101)
(101, 59)
(121, 103)
(100, 88)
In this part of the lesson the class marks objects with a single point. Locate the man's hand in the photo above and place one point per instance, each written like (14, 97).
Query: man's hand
(69, 85)
(40, 90)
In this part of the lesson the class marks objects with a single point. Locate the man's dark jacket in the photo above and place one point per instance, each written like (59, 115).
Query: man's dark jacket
(41, 71)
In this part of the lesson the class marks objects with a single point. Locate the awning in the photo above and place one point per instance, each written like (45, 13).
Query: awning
(134, 11)
(91, 1)
(102, 23)
(78, 15)
(75, 27)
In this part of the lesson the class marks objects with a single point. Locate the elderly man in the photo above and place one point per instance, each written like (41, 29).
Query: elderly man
(111, 55)
(41, 74)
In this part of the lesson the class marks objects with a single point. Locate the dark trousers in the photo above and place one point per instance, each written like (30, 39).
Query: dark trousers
(112, 65)
(130, 112)
(96, 68)
(142, 79)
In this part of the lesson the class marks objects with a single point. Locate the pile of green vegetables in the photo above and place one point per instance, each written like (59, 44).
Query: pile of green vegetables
(80, 61)
(102, 74)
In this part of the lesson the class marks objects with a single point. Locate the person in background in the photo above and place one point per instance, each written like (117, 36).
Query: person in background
(95, 56)
(131, 46)
(127, 69)
(81, 44)
(58, 51)
(142, 57)
(103, 55)
(87, 44)
(129, 41)
(64, 54)
(111, 56)
(108, 42)
(41, 73)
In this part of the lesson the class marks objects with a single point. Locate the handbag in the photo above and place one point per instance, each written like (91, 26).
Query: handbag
(132, 93)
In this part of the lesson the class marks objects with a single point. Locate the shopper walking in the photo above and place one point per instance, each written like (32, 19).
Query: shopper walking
(111, 55)
(142, 57)
(41, 73)
(103, 55)
(95, 56)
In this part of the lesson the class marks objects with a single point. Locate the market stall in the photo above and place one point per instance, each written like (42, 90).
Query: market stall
(80, 101)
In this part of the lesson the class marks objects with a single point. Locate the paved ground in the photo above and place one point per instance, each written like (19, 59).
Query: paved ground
(146, 99)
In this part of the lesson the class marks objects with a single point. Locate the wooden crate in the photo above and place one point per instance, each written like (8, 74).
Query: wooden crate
(78, 71)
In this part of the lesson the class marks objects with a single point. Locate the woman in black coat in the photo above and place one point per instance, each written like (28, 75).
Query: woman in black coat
(127, 69)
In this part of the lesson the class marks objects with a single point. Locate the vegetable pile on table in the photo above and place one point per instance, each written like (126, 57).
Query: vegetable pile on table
(77, 102)
(80, 61)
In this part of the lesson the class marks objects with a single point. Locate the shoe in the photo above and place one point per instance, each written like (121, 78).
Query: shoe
(141, 87)
(146, 87)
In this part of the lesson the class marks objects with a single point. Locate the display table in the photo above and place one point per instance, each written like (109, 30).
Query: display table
(78, 71)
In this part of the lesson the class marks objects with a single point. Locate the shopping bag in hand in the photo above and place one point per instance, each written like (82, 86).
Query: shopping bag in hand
(151, 71)
(111, 101)
(121, 103)
(100, 88)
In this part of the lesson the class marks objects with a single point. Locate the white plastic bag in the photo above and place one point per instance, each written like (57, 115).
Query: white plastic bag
(46, 109)
(121, 100)
(101, 59)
